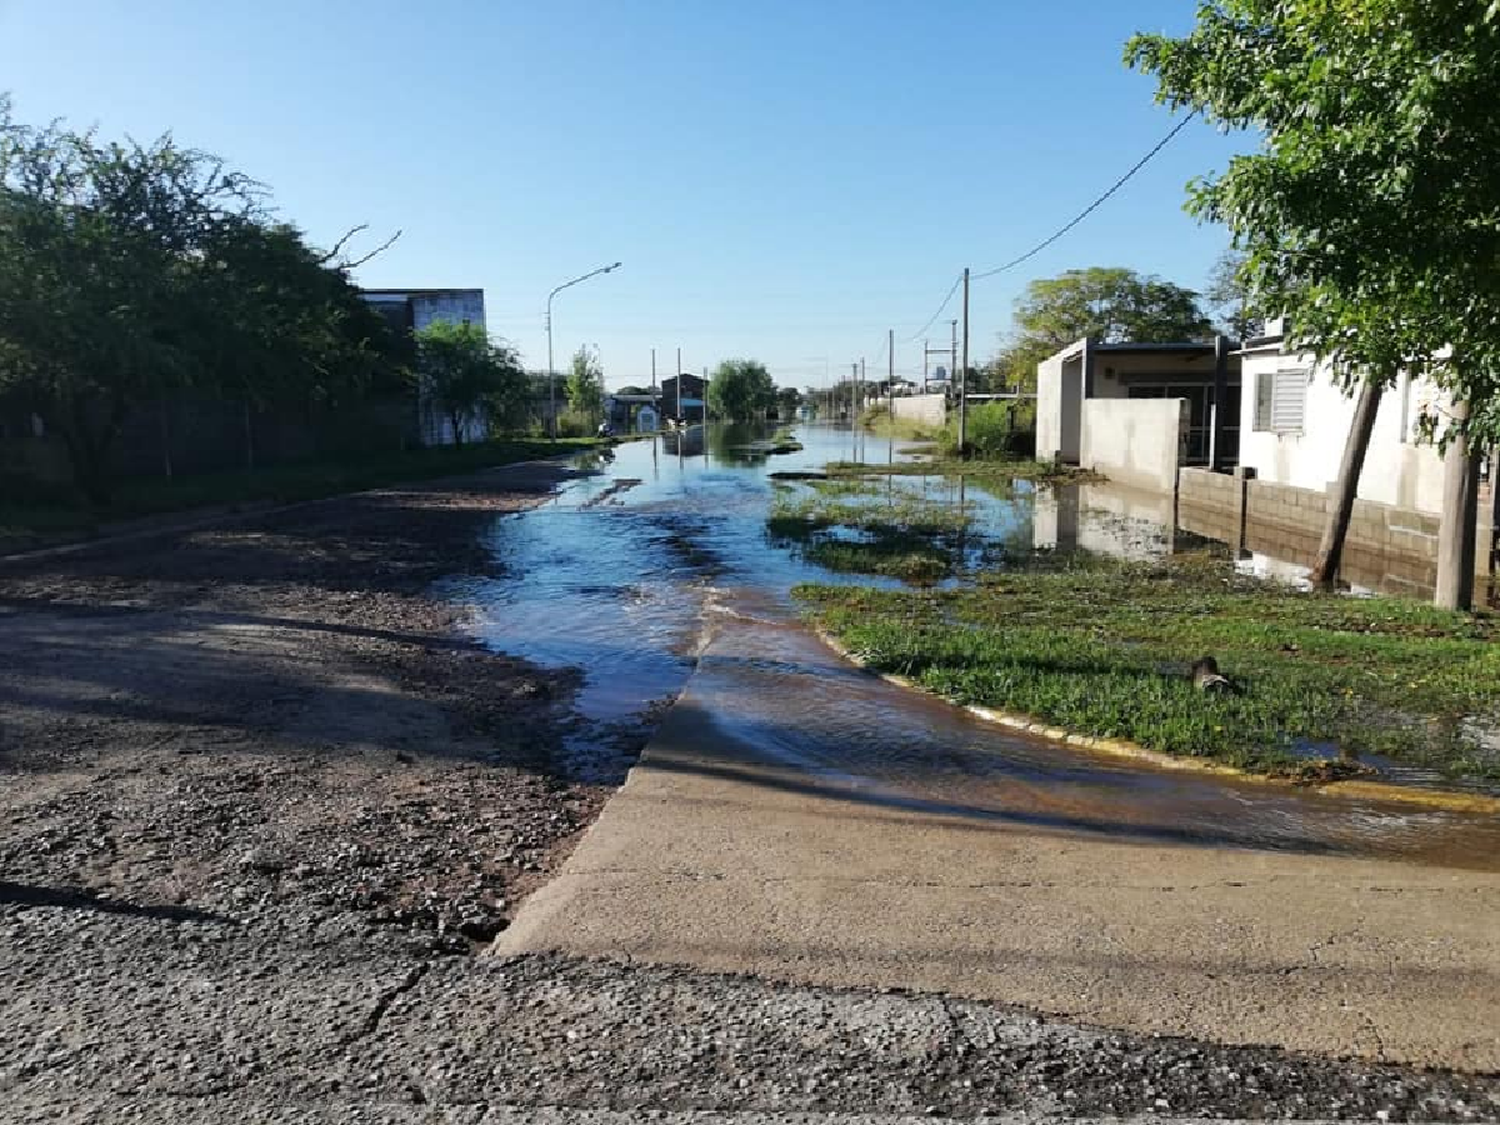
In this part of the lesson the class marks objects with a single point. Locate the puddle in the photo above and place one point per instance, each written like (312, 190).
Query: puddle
(660, 569)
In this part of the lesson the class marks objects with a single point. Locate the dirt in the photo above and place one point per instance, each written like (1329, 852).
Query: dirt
(279, 714)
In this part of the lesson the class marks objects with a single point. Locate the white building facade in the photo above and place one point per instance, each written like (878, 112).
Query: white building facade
(1296, 421)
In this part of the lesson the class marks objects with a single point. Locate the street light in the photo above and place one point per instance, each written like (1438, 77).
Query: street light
(551, 374)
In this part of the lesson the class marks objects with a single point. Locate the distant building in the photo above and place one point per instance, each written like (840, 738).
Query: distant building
(411, 310)
(691, 406)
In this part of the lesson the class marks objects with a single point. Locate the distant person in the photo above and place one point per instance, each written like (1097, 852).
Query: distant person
(606, 430)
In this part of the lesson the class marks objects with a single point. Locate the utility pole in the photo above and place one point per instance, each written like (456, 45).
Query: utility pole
(963, 387)
(861, 381)
(952, 354)
(890, 392)
(853, 389)
(678, 376)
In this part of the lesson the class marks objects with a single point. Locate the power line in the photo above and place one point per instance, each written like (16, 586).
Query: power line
(957, 281)
(1087, 211)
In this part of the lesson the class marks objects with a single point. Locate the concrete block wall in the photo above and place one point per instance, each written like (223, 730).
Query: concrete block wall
(1388, 547)
(926, 410)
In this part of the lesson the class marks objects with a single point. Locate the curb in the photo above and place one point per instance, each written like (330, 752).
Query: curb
(1443, 799)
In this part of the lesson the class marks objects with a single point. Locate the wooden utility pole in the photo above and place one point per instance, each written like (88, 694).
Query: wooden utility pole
(853, 390)
(1455, 566)
(677, 374)
(963, 384)
(1346, 488)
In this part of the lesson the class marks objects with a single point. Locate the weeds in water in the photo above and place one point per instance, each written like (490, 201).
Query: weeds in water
(1102, 648)
(853, 527)
(985, 471)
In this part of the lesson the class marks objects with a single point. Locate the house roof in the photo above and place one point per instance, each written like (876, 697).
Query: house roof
(396, 293)
(1192, 347)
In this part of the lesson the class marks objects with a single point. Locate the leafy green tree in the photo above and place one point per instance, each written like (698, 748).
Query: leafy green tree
(741, 390)
(788, 399)
(1366, 215)
(103, 250)
(1113, 305)
(290, 331)
(585, 385)
(132, 272)
(466, 376)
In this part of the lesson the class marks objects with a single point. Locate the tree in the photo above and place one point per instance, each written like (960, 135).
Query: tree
(467, 376)
(1364, 214)
(741, 390)
(102, 249)
(288, 330)
(585, 385)
(1113, 305)
(788, 399)
(1229, 298)
(131, 272)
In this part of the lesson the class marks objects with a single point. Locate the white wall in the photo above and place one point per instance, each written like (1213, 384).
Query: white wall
(1059, 390)
(1134, 442)
(929, 410)
(1398, 472)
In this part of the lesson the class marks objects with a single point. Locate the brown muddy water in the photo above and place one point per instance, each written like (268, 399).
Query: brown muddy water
(658, 568)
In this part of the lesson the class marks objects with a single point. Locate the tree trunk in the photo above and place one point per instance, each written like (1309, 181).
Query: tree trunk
(1341, 501)
(456, 421)
(1455, 567)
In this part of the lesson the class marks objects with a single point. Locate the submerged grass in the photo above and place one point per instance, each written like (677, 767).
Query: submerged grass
(1103, 648)
(851, 527)
(861, 509)
(980, 469)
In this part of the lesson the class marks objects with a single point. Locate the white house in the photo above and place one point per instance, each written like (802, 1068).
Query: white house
(1299, 420)
(1136, 411)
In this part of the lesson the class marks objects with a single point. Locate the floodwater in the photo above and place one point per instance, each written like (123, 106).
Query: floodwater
(657, 570)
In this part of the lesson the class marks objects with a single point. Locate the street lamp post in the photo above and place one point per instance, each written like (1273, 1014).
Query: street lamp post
(552, 374)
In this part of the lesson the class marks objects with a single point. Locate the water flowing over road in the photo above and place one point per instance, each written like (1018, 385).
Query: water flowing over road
(658, 568)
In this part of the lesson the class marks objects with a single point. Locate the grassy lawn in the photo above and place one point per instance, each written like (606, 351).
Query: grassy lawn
(1101, 647)
(25, 524)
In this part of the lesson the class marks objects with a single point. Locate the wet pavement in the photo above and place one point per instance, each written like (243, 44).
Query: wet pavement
(658, 570)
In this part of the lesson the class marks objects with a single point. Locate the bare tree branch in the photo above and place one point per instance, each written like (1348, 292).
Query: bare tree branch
(341, 243)
(381, 249)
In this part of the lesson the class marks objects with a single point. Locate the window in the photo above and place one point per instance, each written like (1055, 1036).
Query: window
(1281, 400)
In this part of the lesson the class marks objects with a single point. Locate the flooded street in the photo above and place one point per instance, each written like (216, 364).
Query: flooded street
(658, 570)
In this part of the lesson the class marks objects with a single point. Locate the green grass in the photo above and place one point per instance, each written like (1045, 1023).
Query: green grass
(1102, 649)
(878, 421)
(863, 510)
(29, 524)
(916, 559)
(991, 470)
(852, 527)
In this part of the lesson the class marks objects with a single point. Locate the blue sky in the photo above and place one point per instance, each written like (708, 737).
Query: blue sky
(781, 180)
